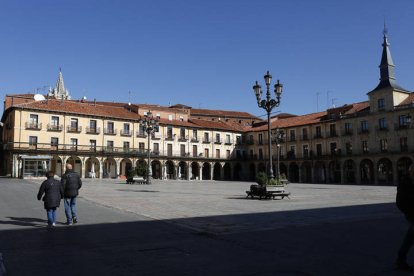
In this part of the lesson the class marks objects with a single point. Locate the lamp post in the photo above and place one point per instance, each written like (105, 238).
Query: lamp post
(150, 125)
(268, 104)
(279, 136)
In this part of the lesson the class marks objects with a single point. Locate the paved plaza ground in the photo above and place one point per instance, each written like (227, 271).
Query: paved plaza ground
(202, 228)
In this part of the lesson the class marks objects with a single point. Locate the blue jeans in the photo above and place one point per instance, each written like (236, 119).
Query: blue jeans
(70, 208)
(51, 215)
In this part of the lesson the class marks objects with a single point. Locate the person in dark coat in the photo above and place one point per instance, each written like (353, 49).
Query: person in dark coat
(71, 182)
(53, 191)
(405, 202)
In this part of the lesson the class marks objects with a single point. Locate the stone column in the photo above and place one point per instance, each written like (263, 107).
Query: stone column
(118, 167)
(357, 173)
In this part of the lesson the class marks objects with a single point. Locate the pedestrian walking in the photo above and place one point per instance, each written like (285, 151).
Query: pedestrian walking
(53, 193)
(71, 182)
(405, 202)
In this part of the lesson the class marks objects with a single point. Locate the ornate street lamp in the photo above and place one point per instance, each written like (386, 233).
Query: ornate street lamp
(268, 104)
(150, 125)
(279, 137)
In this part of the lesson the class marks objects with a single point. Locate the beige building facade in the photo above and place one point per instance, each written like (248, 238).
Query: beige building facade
(369, 142)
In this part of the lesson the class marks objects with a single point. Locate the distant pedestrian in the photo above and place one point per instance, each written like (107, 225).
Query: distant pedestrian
(405, 202)
(71, 182)
(53, 191)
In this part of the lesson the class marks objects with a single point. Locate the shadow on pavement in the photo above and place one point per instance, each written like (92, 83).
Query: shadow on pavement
(352, 240)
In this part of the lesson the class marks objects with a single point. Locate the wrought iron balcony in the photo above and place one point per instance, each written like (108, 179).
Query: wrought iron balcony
(33, 126)
(126, 132)
(93, 130)
(76, 129)
(110, 131)
(53, 127)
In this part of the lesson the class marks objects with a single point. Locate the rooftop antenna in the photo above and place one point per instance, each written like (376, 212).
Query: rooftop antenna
(385, 32)
(317, 101)
(327, 99)
(129, 96)
(333, 102)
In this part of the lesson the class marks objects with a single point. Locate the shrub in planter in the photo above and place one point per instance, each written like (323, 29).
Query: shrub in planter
(261, 178)
(141, 170)
(274, 182)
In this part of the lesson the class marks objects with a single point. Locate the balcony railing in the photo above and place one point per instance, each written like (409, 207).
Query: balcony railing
(194, 139)
(206, 140)
(53, 127)
(110, 131)
(401, 127)
(228, 142)
(155, 136)
(169, 137)
(381, 128)
(141, 134)
(34, 126)
(126, 132)
(182, 138)
(93, 130)
(218, 141)
(76, 129)
(363, 131)
(318, 136)
(347, 132)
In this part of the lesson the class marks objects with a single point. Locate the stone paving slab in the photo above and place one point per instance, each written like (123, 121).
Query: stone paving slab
(222, 207)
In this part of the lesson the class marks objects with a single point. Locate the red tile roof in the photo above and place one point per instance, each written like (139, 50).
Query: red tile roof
(409, 100)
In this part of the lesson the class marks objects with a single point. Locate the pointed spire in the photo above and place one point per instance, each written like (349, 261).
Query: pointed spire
(60, 86)
(59, 92)
(387, 67)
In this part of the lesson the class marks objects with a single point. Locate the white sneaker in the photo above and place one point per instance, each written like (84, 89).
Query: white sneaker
(53, 224)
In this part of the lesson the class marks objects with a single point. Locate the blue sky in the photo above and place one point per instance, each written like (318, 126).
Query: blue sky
(206, 54)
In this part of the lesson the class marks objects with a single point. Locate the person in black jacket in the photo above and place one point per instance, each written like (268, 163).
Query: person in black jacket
(53, 191)
(71, 182)
(405, 202)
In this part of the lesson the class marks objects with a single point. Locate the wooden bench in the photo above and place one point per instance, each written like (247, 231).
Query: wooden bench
(136, 179)
(262, 192)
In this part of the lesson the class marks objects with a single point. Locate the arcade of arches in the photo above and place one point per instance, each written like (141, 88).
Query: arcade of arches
(349, 171)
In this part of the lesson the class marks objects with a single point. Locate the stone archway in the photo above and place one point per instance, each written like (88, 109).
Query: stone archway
(206, 170)
(384, 171)
(182, 170)
(92, 168)
(349, 172)
(319, 172)
(169, 170)
(217, 171)
(367, 172)
(156, 169)
(195, 171)
(227, 171)
(76, 164)
(402, 167)
(56, 166)
(109, 168)
(334, 172)
(125, 166)
(237, 172)
(252, 172)
(283, 170)
(293, 172)
(306, 172)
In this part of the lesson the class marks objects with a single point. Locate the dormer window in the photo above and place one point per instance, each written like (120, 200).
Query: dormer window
(381, 104)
